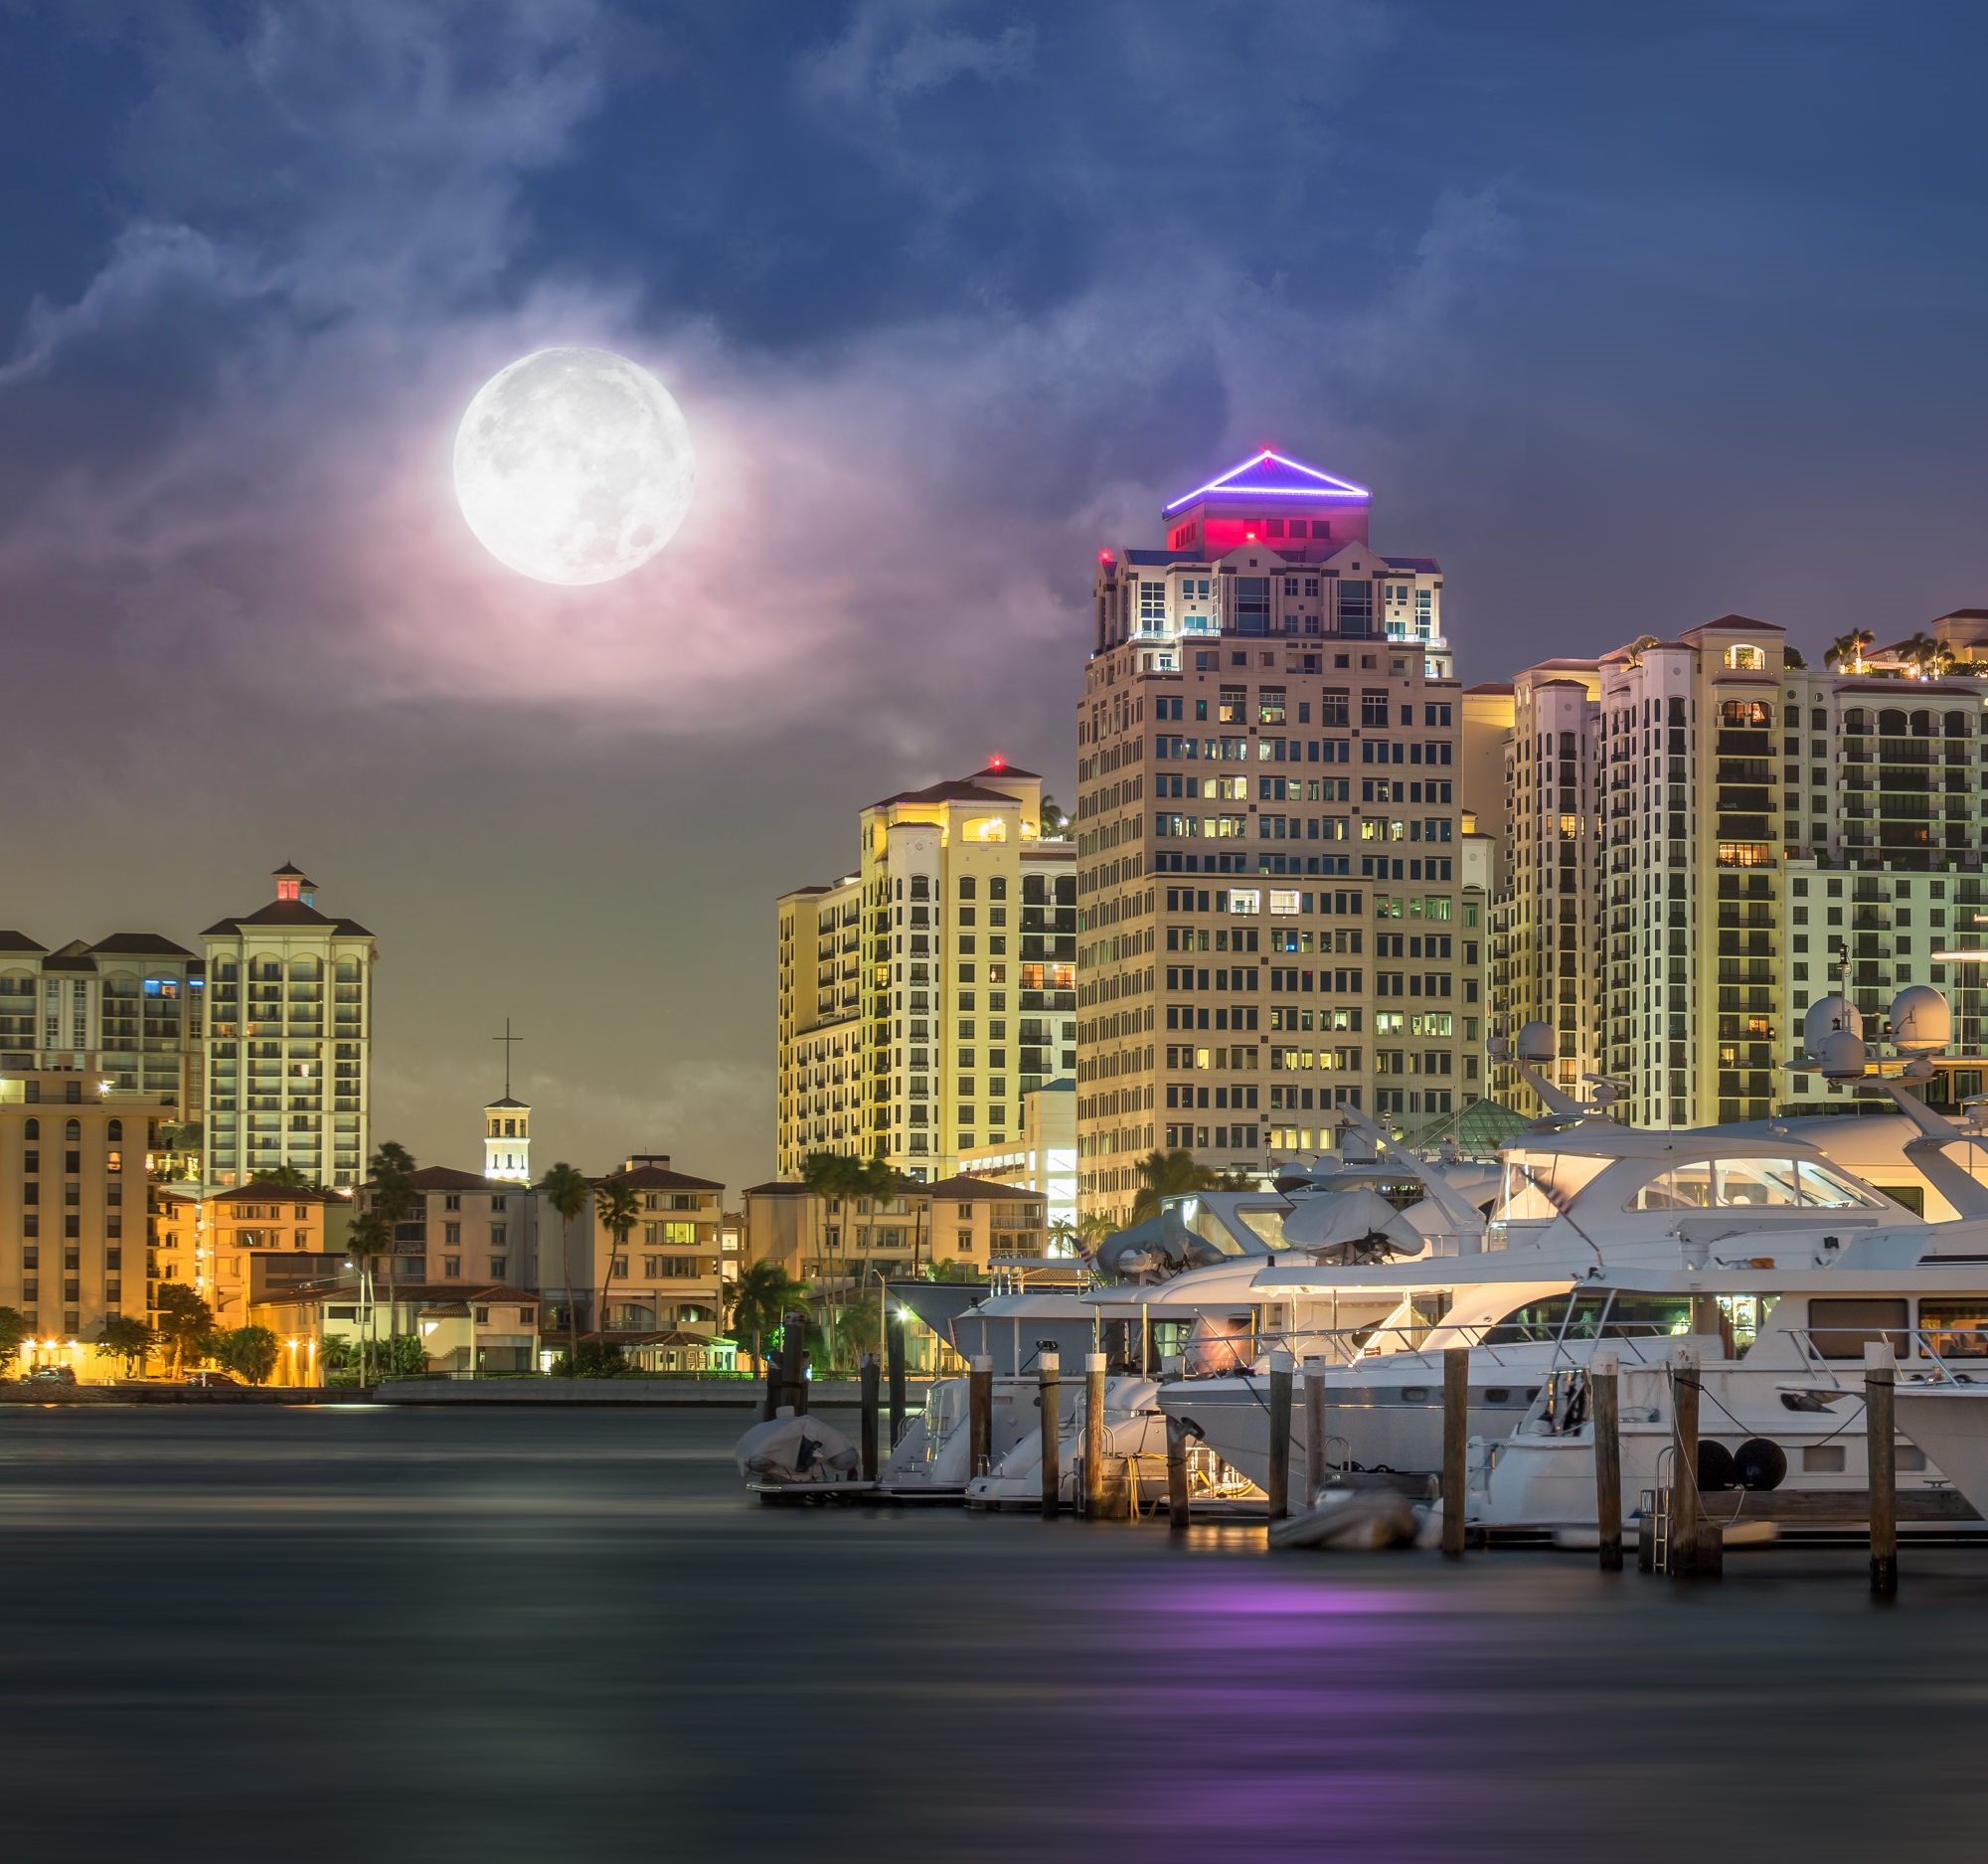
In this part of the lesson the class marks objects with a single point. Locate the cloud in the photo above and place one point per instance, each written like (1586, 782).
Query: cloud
(886, 521)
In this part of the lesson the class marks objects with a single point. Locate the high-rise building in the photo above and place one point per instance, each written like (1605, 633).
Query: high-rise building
(924, 995)
(1698, 827)
(1268, 779)
(289, 1040)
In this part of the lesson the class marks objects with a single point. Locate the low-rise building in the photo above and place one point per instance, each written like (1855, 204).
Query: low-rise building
(661, 1296)
(463, 1329)
(240, 1228)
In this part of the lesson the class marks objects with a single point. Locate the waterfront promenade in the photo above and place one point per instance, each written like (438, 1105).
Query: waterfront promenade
(532, 1635)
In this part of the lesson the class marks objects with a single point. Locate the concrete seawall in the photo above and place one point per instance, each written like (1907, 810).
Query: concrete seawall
(689, 1394)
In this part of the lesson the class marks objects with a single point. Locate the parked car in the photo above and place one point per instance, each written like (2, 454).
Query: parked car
(207, 1379)
(52, 1375)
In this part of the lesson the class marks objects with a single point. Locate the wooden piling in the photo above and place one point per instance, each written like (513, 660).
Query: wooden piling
(1314, 1396)
(794, 1360)
(871, 1374)
(1604, 1408)
(894, 1350)
(1882, 1459)
(1683, 1555)
(1455, 1437)
(979, 1416)
(1049, 1380)
(1093, 1436)
(1177, 1515)
(1277, 1478)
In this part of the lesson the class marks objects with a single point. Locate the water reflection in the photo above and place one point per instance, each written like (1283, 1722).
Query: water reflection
(387, 1634)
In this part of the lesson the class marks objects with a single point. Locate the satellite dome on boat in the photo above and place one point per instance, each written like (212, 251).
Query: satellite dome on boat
(1921, 1021)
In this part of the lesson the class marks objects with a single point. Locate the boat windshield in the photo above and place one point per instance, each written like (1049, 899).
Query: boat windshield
(1592, 1314)
(1766, 1183)
(1538, 1186)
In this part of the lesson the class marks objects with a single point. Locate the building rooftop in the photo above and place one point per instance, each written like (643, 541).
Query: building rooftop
(255, 1193)
(1269, 473)
(19, 941)
(966, 1190)
(141, 944)
(660, 1178)
(999, 771)
(287, 913)
(522, 1105)
(961, 790)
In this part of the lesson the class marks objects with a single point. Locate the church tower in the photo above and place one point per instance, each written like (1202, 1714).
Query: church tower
(506, 1141)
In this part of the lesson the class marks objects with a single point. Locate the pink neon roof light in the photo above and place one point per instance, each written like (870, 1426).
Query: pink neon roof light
(1237, 482)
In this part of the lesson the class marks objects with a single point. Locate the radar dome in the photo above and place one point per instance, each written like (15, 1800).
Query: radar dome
(1536, 1043)
(1921, 1022)
(1826, 1016)
(1839, 1056)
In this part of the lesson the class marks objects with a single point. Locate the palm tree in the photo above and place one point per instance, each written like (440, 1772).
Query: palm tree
(1169, 1174)
(1053, 825)
(616, 1208)
(1850, 648)
(567, 1191)
(1922, 652)
(392, 1198)
(761, 1298)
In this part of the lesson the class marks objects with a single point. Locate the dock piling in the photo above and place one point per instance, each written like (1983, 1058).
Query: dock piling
(1278, 1484)
(1455, 1429)
(1093, 1436)
(871, 1375)
(1177, 1515)
(1882, 1459)
(794, 1360)
(1049, 1380)
(1604, 1393)
(893, 1348)
(979, 1416)
(1690, 1554)
(1314, 1397)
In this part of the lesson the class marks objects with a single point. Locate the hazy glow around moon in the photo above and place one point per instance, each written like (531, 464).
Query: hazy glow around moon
(574, 465)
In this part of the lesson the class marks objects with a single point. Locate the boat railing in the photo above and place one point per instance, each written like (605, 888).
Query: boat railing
(1924, 1354)
(1228, 1355)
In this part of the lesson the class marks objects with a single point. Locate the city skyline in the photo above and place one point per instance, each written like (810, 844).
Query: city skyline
(1595, 348)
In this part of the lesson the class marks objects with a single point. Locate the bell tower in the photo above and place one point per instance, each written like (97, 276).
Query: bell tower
(507, 1127)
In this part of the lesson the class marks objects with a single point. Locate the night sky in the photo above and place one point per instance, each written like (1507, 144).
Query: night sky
(1632, 315)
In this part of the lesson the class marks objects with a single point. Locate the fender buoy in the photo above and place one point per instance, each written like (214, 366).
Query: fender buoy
(1760, 1462)
(1714, 1466)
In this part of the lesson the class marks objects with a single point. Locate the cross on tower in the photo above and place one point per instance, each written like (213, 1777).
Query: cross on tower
(507, 1038)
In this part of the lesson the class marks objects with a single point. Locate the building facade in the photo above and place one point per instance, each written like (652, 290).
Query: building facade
(1697, 828)
(289, 1040)
(662, 1293)
(507, 1139)
(76, 1202)
(1041, 1157)
(959, 928)
(128, 1006)
(1268, 778)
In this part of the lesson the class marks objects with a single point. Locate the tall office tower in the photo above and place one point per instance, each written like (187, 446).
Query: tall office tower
(1268, 779)
(289, 1040)
(1699, 826)
(963, 961)
(128, 1005)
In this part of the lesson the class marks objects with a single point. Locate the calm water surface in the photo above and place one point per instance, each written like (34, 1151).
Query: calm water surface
(386, 1634)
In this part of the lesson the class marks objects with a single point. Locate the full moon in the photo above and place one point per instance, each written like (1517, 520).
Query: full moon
(574, 465)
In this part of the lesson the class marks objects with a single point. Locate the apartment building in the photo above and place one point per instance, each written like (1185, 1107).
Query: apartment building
(254, 1237)
(662, 1293)
(288, 1040)
(1697, 828)
(831, 1241)
(1041, 1157)
(128, 1006)
(76, 1197)
(1268, 778)
(924, 995)
(461, 1228)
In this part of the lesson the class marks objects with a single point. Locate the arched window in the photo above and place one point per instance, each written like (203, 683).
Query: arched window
(73, 1130)
(304, 970)
(1745, 659)
(115, 1132)
(1754, 713)
(1891, 724)
(1856, 721)
(31, 1130)
(1922, 724)
(1958, 725)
